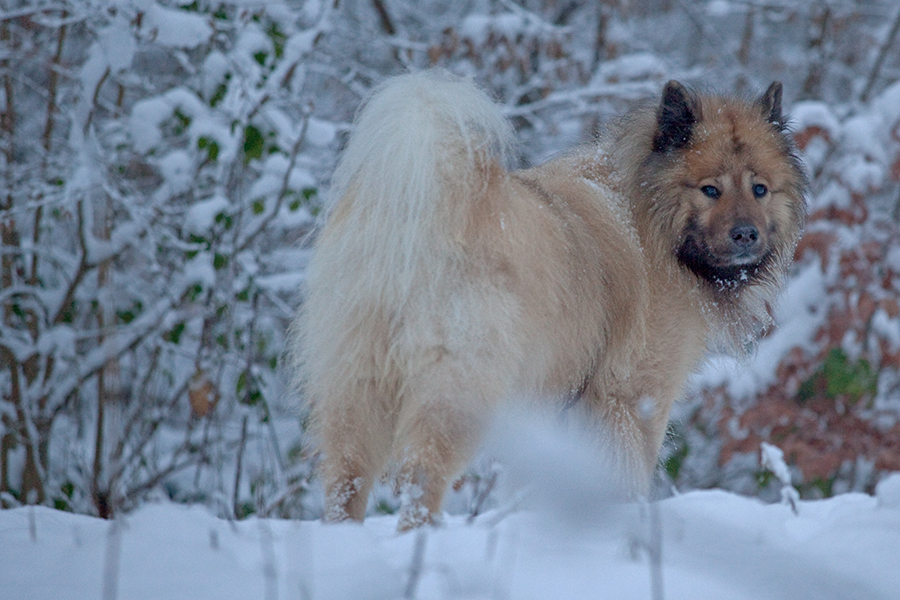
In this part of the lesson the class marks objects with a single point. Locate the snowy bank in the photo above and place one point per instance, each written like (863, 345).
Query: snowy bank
(710, 544)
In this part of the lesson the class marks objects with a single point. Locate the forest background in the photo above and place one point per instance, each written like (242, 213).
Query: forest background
(164, 167)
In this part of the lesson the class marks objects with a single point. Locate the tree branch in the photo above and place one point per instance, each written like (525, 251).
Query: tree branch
(879, 61)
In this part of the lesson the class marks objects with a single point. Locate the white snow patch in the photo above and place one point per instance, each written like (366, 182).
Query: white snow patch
(719, 8)
(834, 194)
(177, 170)
(713, 544)
(633, 67)
(887, 328)
(888, 491)
(215, 68)
(320, 133)
(815, 114)
(176, 28)
(200, 269)
(772, 458)
(201, 215)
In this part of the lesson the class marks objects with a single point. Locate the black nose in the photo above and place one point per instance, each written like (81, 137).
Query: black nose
(744, 236)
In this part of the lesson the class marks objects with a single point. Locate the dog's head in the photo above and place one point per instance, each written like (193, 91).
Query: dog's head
(738, 186)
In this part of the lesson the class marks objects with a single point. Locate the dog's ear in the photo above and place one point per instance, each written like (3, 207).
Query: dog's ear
(770, 103)
(676, 116)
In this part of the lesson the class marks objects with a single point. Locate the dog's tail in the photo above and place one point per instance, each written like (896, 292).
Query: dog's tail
(423, 152)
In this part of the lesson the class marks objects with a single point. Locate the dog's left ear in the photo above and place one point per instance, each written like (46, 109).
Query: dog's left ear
(770, 103)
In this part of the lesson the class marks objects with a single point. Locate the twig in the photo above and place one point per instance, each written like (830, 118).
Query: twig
(283, 192)
(270, 571)
(283, 495)
(882, 54)
(111, 560)
(48, 139)
(237, 470)
(384, 17)
(654, 549)
(32, 523)
(415, 567)
(483, 494)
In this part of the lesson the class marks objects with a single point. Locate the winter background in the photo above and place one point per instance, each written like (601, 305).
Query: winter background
(164, 168)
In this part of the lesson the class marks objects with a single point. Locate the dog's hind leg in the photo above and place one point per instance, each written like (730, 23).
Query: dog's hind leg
(356, 432)
(444, 418)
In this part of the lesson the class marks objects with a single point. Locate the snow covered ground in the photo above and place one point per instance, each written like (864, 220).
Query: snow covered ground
(703, 544)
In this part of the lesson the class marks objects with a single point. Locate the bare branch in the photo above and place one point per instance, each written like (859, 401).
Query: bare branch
(879, 61)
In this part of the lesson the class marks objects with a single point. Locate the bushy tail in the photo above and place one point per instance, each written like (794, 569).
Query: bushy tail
(418, 159)
(423, 150)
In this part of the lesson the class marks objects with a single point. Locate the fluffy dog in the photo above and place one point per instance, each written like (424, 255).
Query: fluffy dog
(444, 284)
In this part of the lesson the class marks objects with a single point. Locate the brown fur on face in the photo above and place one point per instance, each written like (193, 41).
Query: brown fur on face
(444, 285)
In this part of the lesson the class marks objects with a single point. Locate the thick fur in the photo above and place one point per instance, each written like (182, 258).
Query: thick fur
(444, 285)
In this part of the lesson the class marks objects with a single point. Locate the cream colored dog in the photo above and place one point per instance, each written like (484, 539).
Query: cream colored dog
(443, 284)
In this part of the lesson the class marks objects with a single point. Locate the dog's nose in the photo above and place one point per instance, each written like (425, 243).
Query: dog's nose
(744, 236)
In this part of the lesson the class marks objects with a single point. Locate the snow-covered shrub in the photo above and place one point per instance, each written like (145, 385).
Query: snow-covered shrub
(151, 263)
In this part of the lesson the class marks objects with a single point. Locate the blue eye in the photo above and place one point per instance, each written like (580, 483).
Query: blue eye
(759, 190)
(711, 191)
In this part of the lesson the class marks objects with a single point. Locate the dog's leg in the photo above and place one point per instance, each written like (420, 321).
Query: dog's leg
(441, 427)
(443, 442)
(356, 437)
(631, 434)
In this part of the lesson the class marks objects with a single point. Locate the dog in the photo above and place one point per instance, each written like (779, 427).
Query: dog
(444, 284)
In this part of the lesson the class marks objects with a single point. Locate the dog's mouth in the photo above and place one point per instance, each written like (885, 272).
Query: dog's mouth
(728, 270)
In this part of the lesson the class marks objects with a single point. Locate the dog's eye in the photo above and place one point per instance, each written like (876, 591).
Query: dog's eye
(711, 191)
(759, 190)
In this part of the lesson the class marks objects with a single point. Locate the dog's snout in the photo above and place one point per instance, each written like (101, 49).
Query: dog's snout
(745, 236)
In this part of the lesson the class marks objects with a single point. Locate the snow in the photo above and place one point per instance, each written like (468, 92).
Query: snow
(815, 114)
(320, 133)
(201, 215)
(887, 328)
(177, 169)
(176, 28)
(713, 544)
(632, 67)
(773, 459)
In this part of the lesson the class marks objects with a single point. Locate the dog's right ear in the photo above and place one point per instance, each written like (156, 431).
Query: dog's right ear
(676, 116)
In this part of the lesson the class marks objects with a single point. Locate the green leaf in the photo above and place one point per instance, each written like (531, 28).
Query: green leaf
(224, 219)
(194, 292)
(258, 207)
(217, 96)
(840, 377)
(254, 143)
(182, 122)
(174, 334)
(210, 145)
(278, 39)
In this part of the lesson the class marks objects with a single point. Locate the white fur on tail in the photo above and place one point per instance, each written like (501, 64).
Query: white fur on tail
(403, 186)
(418, 144)
(404, 192)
